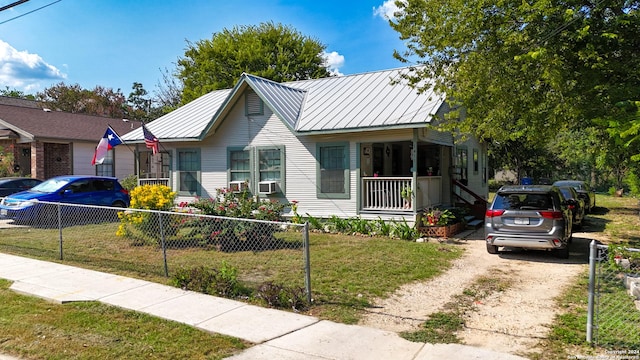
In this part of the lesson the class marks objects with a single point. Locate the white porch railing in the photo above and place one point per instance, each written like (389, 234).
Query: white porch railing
(386, 193)
(154, 181)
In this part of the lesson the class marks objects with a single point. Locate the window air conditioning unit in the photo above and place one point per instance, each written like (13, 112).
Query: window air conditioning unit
(267, 187)
(238, 186)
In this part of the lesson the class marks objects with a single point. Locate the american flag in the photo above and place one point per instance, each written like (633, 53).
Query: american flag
(150, 140)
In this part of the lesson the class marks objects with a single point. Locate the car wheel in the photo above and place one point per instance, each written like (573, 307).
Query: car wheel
(119, 204)
(492, 249)
(563, 253)
(113, 214)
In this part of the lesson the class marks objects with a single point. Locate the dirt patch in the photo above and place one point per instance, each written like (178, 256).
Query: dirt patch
(511, 321)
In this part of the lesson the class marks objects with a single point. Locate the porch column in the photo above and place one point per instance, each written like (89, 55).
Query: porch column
(37, 160)
(414, 170)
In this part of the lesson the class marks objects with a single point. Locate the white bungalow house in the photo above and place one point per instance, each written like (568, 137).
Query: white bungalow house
(355, 145)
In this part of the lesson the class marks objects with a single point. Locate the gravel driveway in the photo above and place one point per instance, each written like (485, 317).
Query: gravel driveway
(511, 321)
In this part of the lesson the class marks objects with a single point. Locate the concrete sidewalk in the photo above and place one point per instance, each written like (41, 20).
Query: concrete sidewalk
(277, 334)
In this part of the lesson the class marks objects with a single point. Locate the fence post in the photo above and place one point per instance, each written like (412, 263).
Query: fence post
(60, 230)
(164, 248)
(593, 253)
(307, 261)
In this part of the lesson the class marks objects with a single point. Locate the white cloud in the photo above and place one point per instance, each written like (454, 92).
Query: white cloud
(25, 71)
(387, 10)
(333, 61)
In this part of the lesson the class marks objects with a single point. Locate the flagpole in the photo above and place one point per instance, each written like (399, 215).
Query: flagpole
(123, 142)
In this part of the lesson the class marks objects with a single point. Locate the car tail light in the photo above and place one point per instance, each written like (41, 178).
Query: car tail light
(492, 213)
(125, 191)
(551, 214)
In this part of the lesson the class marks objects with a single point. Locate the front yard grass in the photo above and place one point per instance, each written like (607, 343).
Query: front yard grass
(33, 328)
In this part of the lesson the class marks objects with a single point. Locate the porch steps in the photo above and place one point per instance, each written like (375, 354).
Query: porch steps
(472, 222)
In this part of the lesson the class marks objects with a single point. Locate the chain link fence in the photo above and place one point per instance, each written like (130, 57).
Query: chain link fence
(613, 318)
(161, 243)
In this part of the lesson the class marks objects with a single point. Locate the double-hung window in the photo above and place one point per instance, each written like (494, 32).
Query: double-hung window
(188, 163)
(257, 164)
(333, 170)
(107, 167)
(239, 165)
(270, 164)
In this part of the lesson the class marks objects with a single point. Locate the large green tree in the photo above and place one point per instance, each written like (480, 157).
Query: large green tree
(269, 50)
(73, 98)
(102, 101)
(525, 70)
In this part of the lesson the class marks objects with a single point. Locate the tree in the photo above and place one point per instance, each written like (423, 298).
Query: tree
(269, 50)
(169, 93)
(15, 93)
(138, 105)
(73, 98)
(524, 71)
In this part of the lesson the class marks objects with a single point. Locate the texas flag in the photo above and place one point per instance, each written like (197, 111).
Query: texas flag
(108, 142)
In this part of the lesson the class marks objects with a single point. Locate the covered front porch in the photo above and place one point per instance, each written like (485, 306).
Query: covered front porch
(403, 177)
(401, 194)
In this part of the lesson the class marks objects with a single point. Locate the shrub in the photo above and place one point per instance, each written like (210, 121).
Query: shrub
(437, 217)
(403, 231)
(230, 235)
(220, 282)
(149, 197)
(152, 197)
(314, 222)
(129, 182)
(240, 205)
(284, 297)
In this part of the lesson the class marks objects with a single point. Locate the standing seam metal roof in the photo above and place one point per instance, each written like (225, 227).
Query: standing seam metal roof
(336, 104)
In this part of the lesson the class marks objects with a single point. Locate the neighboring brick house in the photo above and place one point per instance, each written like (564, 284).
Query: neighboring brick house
(49, 143)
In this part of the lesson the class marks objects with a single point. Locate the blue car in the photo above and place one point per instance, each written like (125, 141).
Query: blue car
(25, 206)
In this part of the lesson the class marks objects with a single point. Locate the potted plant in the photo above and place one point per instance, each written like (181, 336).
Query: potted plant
(406, 194)
(440, 223)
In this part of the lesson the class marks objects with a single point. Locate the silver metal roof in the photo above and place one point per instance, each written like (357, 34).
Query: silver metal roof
(184, 123)
(373, 100)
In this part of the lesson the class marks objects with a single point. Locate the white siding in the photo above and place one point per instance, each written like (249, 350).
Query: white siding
(83, 154)
(476, 182)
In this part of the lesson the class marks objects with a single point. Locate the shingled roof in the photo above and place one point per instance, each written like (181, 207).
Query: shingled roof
(37, 124)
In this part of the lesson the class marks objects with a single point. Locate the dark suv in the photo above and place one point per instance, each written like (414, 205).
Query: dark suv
(584, 191)
(529, 217)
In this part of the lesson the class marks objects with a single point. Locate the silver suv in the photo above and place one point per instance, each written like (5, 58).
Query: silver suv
(529, 217)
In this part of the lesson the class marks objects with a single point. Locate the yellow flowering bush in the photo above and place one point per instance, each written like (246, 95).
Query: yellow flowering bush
(148, 197)
(152, 197)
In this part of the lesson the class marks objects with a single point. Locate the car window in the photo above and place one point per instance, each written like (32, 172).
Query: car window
(30, 182)
(537, 202)
(50, 185)
(523, 202)
(80, 186)
(103, 185)
(508, 201)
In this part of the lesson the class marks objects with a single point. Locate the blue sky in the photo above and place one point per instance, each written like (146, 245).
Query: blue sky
(113, 43)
